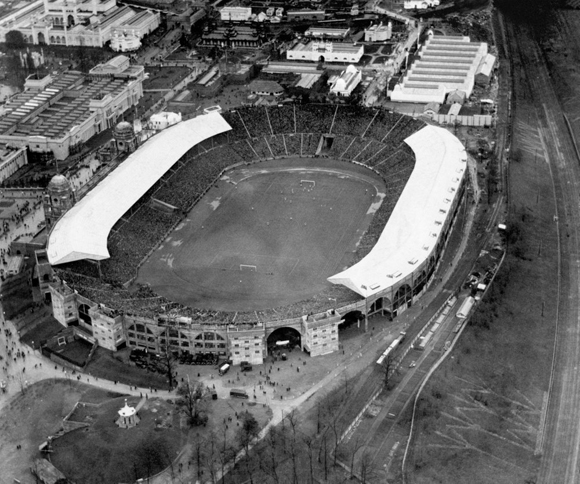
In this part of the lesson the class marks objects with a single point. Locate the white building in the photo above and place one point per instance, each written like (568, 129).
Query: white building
(125, 43)
(326, 52)
(445, 64)
(347, 81)
(326, 33)
(420, 4)
(77, 22)
(163, 120)
(379, 33)
(235, 14)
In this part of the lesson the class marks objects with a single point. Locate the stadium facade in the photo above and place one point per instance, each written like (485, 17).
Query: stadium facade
(389, 279)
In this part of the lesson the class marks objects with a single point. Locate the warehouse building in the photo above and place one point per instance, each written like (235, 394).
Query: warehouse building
(445, 64)
(56, 115)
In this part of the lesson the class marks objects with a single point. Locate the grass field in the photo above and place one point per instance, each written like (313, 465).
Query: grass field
(266, 235)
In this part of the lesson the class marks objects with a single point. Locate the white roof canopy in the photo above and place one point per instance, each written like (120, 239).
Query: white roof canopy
(83, 231)
(410, 235)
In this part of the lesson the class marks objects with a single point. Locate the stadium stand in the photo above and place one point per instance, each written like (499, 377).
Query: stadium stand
(293, 144)
(282, 119)
(378, 142)
(276, 144)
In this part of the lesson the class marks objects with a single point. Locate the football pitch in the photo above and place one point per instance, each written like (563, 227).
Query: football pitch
(266, 235)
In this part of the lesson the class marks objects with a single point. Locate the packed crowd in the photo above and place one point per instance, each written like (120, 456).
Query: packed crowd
(190, 181)
(261, 148)
(136, 238)
(277, 145)
(362, 134)
(293, 144)
(282, 119)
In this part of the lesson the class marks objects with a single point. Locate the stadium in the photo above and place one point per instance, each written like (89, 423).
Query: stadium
(228, 232)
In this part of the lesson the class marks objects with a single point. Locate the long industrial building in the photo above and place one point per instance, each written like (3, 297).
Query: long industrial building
(55, 115)
(445, 64)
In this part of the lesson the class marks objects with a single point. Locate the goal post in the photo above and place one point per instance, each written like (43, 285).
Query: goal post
(248, 267)
(308, 183)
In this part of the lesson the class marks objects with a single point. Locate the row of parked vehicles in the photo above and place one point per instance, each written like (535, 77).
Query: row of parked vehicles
(147, 361)
(199, 359)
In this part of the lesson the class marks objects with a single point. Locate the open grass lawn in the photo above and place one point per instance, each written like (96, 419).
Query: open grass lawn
(35, 415)
(103, 364)
(42, 332)
(269, 238)
(77, 351)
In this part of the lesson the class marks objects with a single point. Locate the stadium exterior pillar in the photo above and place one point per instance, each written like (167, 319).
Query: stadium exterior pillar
(366, 315)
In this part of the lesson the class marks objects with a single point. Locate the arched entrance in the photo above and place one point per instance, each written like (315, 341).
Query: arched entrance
(41, 39)
(284, 339)
(350, 318)
(403, 297)
(70, 20)
(420, 283)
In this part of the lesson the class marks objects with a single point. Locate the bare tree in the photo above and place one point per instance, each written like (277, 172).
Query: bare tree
(389, 369)
(226, 453)
(212, 457)
(292, 419)
(199, 454)
(367, 467)
(323, 452)
(246, 435)
(169, 361)
(191, 401)
(353, 448)
(273, 440)
(310, 444)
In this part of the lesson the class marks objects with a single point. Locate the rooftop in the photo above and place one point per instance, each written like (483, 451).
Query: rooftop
(83, 231)
(411, 232)
(55, 110)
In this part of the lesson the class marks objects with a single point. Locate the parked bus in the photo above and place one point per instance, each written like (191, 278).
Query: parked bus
(224, 369)
(238, 394)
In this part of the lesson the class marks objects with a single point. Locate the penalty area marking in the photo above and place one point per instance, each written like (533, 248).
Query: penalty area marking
(248, 267)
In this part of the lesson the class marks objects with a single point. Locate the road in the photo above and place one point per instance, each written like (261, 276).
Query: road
(561, 431)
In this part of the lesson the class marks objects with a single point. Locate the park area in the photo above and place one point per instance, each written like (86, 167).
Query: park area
(103, 452)
(34, 415)
(266, 236)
